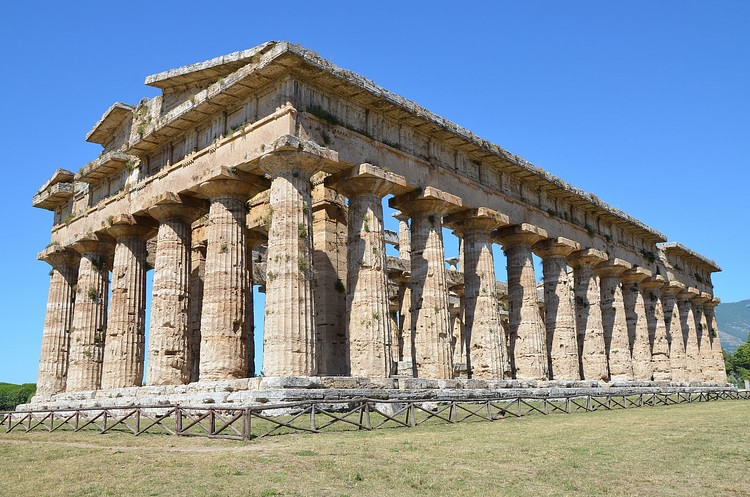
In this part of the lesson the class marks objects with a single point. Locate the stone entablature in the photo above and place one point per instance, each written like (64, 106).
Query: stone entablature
(257, 150)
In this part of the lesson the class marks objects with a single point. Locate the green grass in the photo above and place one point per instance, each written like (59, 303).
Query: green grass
(686, 450)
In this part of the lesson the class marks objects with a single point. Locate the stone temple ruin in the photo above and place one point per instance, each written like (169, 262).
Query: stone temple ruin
(270, 167)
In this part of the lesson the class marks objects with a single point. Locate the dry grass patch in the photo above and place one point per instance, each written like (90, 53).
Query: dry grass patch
(685, 450)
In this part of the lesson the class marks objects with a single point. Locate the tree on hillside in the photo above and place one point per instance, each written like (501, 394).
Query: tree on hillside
(738, 364)
(11, 395)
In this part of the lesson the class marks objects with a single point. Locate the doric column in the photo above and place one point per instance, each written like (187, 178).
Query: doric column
(657, 330)
(404, 236)
(675, 338)
(429, 299)
(224, 350)
(255, 239)
(589, 327)
(701, 325)
(719, 374)
(635, 311)
(367, 304)
(690, 334)
(329, 235)
(53, 363)
(124, 347)
(289, 338)
(614, 321)
(528, 350)
(484, 336)
(404, 322)
(89, 326)
(169, 355)
(559, 317)
(197, 275)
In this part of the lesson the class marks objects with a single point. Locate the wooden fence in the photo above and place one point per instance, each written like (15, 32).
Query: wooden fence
(324, 416)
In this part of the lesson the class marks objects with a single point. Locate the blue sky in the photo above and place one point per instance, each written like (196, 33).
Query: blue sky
(643, 103)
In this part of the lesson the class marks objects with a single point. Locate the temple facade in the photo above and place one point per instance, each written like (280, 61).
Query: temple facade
(271, 167)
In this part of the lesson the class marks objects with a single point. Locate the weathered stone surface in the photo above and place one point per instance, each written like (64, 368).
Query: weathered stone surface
(672, 322)
(657, 330)
(719, 374)
(169, 361)
(53, 363)
(224, 349)
(429, 300)
(367, 304)
(614, 320)
(589, 329)
(559, 317)
(694, 370)
(528, 350)
(289, 337)
(124, 347)
(484, 335)
(329, 235)
(635, 312)
(89, 327)
(197, 277)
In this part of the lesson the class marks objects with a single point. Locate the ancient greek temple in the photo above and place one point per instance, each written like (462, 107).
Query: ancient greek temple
(270, 168)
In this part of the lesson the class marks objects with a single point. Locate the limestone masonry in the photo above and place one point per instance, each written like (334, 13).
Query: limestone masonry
(270, 167)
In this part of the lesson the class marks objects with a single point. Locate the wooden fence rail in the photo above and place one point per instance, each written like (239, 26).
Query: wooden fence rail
(319, 416)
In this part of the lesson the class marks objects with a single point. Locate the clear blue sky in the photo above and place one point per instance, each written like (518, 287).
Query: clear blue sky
(643, 103)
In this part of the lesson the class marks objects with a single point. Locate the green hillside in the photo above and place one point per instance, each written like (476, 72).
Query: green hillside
(733, 319)
(11, 395)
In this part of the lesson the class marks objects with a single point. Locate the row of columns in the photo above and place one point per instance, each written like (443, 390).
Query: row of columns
(606, 330)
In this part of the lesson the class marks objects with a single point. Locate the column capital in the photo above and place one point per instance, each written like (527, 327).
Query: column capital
(672, 288)
(701, 298)
(613, 267)
(290, 155)
(123, 225)
(235, 185)
(635, 275)
(481, 219)
(519, 234)
(367, 179)
(587, 257)
(555, 247)
(400, 216)
(96, 243)
(688, 294)
(712, 302)
(57, 255)
(172, 206)
(428, 200)
(656, 282)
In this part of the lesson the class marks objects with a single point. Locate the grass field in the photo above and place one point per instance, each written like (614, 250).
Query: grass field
(684, 450)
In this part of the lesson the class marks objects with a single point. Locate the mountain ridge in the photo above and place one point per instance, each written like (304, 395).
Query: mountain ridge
(733, 319)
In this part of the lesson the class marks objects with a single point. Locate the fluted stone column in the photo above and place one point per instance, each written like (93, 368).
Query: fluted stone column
(197, 276)
(53, 363)
(224, 349)
(169, 357)
(701, 325)
(719, 371)
(528, 350)
(255, 239)
(559, 317)
(484, 335)
(589, 327)
(289, 339)
(675, 338)
(405, 317)
(329, 235)
(429, 299)
(690, 333)
(657, 330)
(404, 236)
(635, 311)
(124, 348)
(367, 306)
(614, 321)
(88, 331)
